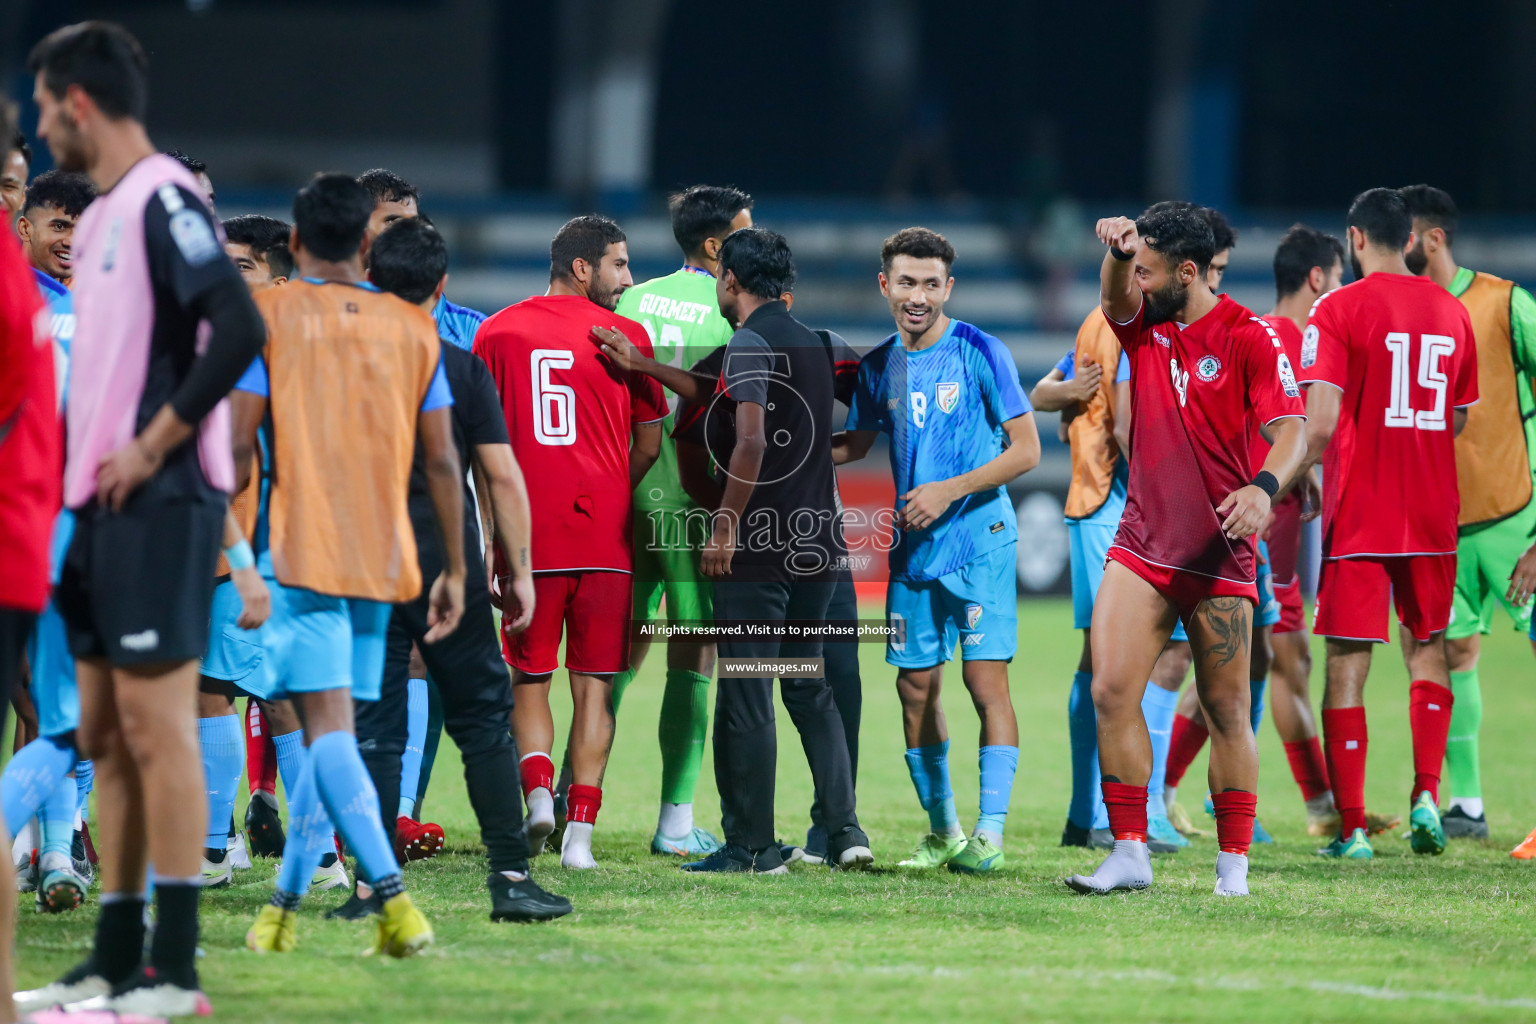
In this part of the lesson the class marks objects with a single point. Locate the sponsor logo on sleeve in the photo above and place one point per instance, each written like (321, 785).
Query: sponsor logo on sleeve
(1287, 377)
(1309, 346)
(193, 236)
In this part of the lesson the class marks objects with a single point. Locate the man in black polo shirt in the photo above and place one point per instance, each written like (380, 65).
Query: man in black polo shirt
(775, 552)
(410, 260)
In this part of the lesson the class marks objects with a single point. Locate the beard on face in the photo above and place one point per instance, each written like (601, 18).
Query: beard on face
(1416, 258)
(604, 296)
(1165, 304)
(1354, 265)
(67, 145)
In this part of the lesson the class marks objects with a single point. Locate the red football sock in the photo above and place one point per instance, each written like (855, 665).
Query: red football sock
(583, 802)
(1345, 739)
(1185, 742)
(1234, 820)
(1429, 713)
(260, 754)
(1308, 767)
(537, 770)
(1127, 808)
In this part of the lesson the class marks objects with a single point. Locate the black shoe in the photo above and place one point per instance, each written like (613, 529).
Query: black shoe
(1101, 839)
(1458, 824)
(523, 901)
(815, 849)
(838, 843)
(1074, 835)
(356, 907)
(263, 825)
(726, 860)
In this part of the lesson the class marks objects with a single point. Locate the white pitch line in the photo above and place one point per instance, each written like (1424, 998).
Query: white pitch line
(1244, 983)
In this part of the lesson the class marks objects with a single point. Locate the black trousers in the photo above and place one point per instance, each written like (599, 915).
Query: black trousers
(476, 691)
(745, 741)
(15, 627)
(842, 661)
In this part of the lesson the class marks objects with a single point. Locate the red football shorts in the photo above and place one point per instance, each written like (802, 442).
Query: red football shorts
(1293, 616)
(593, 611)
(1185, 589)
(1353, 595)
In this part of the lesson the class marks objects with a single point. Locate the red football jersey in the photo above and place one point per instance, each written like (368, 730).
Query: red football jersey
(1285, 331)
(1196, 393)
(570, 413)
(1402, 351)
(31, 435)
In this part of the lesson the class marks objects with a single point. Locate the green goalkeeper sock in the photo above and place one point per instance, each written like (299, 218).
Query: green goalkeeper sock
(620, 684)
(1461, 749)
(683, 728)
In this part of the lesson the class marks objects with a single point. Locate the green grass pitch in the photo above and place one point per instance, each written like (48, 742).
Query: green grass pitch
(1402, 938)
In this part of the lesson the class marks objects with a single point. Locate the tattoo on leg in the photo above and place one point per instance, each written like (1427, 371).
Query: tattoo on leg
(1227, 620)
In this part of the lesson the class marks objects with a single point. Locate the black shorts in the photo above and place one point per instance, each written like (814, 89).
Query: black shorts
(136, 585)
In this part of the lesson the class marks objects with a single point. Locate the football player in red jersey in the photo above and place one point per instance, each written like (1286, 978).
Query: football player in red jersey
(1397, 356)
(586, 432)
(1202, 367)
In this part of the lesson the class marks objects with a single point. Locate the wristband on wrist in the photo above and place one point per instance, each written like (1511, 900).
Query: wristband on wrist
(1266, 482)
(240, 556)
(1123, 257)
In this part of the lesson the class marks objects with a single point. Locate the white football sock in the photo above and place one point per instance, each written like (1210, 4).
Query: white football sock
(541, 818)
(576, 847)
(675, 821)
(1471, 806)
(24, 844)
(1128, 866)
(1321, 805)
(1170, 796)
(1231, 874)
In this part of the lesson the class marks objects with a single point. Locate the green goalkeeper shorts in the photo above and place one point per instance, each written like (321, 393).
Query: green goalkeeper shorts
(1485, 556)
(672, 572)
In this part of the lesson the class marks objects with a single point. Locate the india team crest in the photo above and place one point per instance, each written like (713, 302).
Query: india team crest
(1207, 369)
(948, 396)
(972, 615)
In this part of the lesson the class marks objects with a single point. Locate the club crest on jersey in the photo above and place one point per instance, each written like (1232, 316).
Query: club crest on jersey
(948, 395)
(1309, 346)
(972, 615)
(1288, 377)
(1207, 368)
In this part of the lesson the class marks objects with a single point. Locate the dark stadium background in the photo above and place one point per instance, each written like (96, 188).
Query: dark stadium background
(1008, 126)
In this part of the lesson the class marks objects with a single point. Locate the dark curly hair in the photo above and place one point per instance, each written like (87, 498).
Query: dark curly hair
(1178, 231)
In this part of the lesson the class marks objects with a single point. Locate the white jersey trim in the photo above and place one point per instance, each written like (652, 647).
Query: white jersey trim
(1319, 380)
(1180, 568)
(1392, 554)
(586, 568)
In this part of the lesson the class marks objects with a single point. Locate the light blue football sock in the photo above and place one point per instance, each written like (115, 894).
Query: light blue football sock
(1086, 807)
(30, 778)
(309, 828)
(353, 803)
(223, 745)
(85, 781)
(929, 768)
(1158, 707)
(290, 759)
(57, 819)
(1256, 688)
(416, 704)
(998, 764)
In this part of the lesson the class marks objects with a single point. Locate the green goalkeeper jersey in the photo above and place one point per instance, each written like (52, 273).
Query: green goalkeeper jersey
(682, 317)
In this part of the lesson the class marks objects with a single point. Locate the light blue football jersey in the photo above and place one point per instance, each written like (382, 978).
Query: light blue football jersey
(944, 408)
